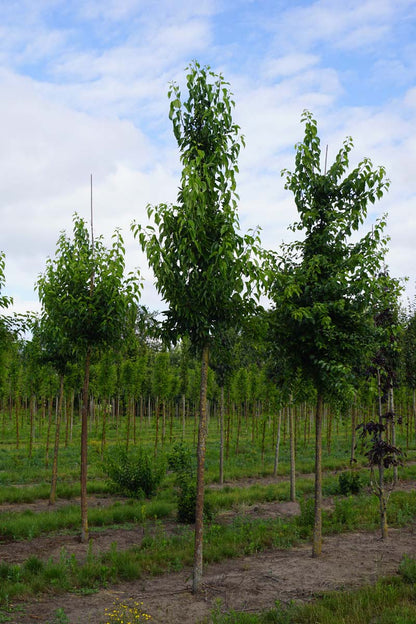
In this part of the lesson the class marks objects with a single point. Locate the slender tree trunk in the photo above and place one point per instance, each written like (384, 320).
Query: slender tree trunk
(52, 494)
(329, 432)
(48, 433)
(134, 411)
(353, 432)
(414, 409)
(221, 435)
(157, 424)
(263, 438)
(104, 428)
(84, 449)
(202, 434)
(393, 430)
(31, 423)
(317, 528)
(381, 490)
(277, 447)
(228, 433)
(72, 414)
(67, 420)
(128, 423)
(16, 410)
(237, 442)
(183, 415)
(292, 453)
(171, 407)
(163, 421)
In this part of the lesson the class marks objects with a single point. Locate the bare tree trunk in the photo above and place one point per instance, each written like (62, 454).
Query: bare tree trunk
(221, 436)
(183, 415)
(353, 432)
(317, 528)
(381, 490)
(84, 449)
(414, 409)
(393, 430)
(50, 406)
(52, 494)
(71, 415)
(292, 453)
(199, 510)
(16, 410)
(31, 423)
(134, 412)
(128, 422)
(157, 424)
(104, 428)
(277, 447)
(329, 431)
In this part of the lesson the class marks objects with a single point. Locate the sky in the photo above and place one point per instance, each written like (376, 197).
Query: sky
(83, 91)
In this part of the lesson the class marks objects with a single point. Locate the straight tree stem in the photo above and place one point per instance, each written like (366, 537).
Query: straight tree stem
(84, 449)
(317, 528)
(202, 434)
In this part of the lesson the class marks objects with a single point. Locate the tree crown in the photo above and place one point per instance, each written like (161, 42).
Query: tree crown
(324, 286)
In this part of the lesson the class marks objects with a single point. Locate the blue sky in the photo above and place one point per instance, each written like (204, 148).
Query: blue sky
(83, 87)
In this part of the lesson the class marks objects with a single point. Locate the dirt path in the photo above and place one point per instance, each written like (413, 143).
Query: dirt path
(248, 583)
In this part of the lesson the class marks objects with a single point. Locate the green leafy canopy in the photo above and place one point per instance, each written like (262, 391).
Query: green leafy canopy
(324, 286)
(204, 268)
(85, 297)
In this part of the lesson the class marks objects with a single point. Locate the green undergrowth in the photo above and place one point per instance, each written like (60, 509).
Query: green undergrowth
(29, 524)
(161, 551)
(41, 491)
(276, 491)
(390, 601)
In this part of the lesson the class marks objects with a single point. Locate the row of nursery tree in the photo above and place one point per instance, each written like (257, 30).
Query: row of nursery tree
(334, 327)
(148, 375)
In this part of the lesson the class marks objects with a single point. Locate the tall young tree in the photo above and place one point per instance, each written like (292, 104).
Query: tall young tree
(84, 293)
(323, 285)
(203, 266)
(5, 301)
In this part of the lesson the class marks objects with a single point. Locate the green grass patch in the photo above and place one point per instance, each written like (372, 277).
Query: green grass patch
(389, 601)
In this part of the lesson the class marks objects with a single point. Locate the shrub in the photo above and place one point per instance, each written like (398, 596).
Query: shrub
(180, 459)
(182, 462)
(134, 474)
(349, 483)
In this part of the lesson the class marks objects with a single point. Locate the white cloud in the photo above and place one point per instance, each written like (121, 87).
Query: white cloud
(346, 25)
(100, 106)
(288, 65)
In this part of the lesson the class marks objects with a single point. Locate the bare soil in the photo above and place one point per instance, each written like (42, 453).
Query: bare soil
(248, 583)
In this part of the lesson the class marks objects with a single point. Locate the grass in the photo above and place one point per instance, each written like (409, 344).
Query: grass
(390, 601)
(28, 524)
(161, 552)
(27, 480)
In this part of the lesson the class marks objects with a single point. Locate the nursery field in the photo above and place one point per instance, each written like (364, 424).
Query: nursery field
(257, 556)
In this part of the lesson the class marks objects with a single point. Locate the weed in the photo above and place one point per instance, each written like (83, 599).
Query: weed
(126, 612)
(60, 617)
(407, 569)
